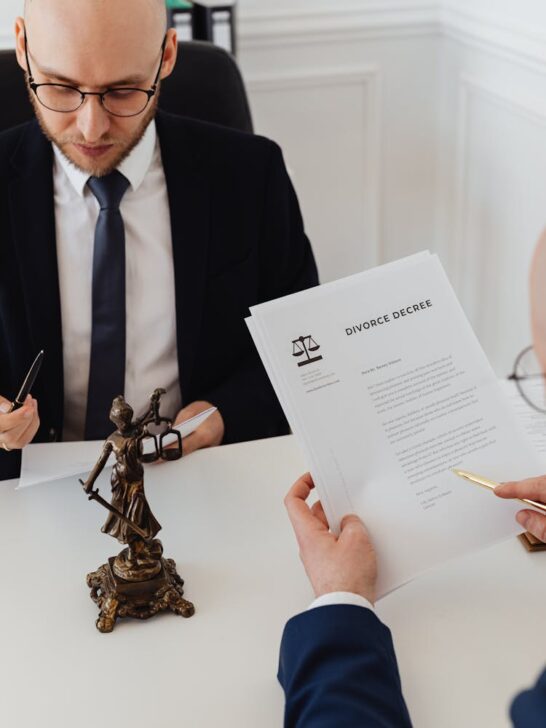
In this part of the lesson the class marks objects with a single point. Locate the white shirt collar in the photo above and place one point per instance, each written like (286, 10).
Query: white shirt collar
(134, 167)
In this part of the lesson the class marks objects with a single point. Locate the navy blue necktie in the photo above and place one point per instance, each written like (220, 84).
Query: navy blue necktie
(107, 363)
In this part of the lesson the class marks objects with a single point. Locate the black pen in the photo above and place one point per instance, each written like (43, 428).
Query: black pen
(19, 401)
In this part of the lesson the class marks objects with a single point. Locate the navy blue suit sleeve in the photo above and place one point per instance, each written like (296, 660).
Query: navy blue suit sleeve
(246, 399)
(338, 669)
(529, 708)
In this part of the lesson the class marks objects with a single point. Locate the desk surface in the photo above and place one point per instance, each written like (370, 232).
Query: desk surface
(467, 636)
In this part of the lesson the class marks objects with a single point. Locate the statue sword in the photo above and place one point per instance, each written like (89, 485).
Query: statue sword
(94, 495)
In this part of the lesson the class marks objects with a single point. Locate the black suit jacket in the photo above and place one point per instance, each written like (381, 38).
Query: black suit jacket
(238, 240)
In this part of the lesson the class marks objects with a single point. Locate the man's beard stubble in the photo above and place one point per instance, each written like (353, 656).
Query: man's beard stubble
(124, 148)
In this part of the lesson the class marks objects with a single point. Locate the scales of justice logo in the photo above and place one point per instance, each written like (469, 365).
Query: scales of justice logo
(306, 346)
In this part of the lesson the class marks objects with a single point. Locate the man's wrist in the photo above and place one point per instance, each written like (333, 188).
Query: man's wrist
(341, 597)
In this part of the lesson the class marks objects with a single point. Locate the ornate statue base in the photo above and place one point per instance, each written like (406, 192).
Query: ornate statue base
(159, 588)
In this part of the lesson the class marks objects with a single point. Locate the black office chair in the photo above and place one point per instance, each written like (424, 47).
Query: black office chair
(206, 84)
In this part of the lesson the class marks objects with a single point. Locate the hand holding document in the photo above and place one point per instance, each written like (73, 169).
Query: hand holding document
(44, 463)
(387, 388)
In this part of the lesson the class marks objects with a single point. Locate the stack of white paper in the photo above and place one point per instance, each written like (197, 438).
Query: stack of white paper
(386, 387)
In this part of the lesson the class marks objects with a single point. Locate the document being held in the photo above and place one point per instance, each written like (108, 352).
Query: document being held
(386, 387)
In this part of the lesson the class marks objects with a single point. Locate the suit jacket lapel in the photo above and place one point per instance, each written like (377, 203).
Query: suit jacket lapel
(189, 202)
(33, 219)
(33, 214)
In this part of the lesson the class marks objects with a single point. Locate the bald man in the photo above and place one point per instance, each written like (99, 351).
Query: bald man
(132, 241)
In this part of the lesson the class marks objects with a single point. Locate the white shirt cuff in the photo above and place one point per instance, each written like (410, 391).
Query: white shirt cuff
(356, 600)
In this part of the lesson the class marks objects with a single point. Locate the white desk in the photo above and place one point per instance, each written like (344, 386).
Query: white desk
(468, 636)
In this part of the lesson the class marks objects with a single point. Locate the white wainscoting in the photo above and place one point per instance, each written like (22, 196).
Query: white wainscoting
(329, 126)
(459, 169)
(340, 23)
(520, 42)
(500, 209)
(350, 96)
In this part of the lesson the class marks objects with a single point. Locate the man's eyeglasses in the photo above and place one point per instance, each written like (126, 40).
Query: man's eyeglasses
(530, 379)
(66, 99)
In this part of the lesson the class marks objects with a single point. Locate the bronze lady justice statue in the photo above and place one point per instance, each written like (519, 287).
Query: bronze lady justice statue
(138, 582)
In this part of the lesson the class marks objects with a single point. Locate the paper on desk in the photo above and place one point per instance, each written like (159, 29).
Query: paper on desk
(45, 462)
(386, 387)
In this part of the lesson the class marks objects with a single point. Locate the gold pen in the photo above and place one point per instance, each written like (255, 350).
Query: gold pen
(491, 485)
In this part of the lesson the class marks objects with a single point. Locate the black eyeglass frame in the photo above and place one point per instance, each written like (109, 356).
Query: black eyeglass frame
(151, 92)
(514, 377)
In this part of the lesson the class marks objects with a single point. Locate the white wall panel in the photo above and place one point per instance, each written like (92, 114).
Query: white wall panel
(526, 13)
(386, 177)
(491, 206)
(500, 211)
(328, 124)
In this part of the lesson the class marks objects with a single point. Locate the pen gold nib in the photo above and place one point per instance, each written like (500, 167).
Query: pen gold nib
(492, 484)
(473, 478)
(461, 473)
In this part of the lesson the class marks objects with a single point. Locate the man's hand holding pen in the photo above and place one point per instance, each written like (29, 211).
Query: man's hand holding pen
(19, 420)
(18, 428)
(531, 489)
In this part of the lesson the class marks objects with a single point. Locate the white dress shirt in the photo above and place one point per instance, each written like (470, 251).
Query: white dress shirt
(151, 351)
(327, 600)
